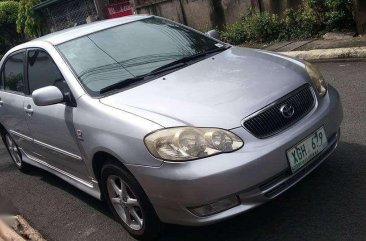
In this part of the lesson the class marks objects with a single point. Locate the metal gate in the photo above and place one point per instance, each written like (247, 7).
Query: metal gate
(69, 13)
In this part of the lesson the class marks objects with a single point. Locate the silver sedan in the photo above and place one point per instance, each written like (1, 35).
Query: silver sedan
(164, 123)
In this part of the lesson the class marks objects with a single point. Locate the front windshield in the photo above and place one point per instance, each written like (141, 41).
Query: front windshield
(113, 55)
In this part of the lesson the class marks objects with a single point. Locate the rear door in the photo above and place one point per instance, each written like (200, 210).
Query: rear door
(12, 98)
(52, 126)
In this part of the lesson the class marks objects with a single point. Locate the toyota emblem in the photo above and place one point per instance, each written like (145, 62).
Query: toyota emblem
(287, 110)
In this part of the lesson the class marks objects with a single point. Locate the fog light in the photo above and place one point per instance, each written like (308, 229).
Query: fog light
(216, 207)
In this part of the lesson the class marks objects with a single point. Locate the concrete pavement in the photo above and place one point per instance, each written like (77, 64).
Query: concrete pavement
(327, 205)
(335, 46)
(329, 54)
(8, 234)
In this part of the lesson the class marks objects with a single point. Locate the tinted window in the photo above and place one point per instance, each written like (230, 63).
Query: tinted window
(113, 55)
(14, 73)
(42, 71)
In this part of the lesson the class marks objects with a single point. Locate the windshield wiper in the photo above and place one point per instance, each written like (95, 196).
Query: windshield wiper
(183, 61)
(122, 84)
(173, 65)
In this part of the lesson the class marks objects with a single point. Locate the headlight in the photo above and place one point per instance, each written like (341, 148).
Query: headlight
(189, 143)
(317, 79)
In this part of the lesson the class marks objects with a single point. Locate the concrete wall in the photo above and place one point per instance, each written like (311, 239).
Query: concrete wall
(199, 14)
(278, 6)
(170, 9)
(208, 14)
(234, 9)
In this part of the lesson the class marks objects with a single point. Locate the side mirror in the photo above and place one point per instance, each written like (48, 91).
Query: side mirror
(213, 34)
(48, 95)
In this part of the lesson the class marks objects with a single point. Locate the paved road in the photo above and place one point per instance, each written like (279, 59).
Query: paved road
(330, 204)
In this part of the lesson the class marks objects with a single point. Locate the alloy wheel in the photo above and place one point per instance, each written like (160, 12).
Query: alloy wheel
(125, 202)
(14, 151)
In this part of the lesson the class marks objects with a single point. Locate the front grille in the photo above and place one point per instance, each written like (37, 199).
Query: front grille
(270, 120)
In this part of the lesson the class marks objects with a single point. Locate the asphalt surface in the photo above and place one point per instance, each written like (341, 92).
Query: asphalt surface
(330, 204)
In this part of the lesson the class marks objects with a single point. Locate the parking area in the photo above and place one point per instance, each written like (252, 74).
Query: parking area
(327, 205)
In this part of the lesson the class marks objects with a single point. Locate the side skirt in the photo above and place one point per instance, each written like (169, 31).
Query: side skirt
(91, 188)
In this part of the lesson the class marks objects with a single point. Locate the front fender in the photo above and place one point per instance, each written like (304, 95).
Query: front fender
(113, 131)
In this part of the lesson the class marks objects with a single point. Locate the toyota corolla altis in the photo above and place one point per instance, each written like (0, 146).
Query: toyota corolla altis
(163, 122)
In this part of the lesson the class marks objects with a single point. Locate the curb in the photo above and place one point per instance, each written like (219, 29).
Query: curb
(16, 228)
(8, 234)
(329, 54)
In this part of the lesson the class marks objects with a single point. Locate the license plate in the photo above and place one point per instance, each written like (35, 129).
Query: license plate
(306, 150)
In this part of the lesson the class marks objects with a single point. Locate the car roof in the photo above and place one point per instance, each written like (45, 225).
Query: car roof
(82, 30)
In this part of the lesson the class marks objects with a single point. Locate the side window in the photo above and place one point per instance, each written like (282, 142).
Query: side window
(42, 72)
(14, 73)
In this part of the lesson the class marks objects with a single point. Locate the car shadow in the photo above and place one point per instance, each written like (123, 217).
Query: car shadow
(57, 182)
(314, 209)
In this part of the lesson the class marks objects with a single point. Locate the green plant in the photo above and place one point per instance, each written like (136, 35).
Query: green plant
(8, 12)
(255, 27)
(338, 14)
(262, 26)
(21, 18)
(29, 22)
(8, 34)
(306, 22)
(204, 28)
(333, 14)
(311, 19)
(234, 33)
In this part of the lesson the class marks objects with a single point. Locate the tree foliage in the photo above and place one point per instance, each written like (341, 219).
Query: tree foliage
(8, 17)
(8, 12)
(29, 22)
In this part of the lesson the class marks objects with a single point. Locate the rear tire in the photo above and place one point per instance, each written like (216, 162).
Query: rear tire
(129, 203)
(15, 153)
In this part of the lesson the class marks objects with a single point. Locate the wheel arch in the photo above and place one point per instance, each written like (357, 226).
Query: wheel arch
(100, 158)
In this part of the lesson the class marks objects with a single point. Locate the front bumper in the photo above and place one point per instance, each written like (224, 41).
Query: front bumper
(256, 173)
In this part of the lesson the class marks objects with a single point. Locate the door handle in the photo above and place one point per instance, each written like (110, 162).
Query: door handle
(28, 110)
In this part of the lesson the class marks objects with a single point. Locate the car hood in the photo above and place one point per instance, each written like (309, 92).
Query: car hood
(216, 92)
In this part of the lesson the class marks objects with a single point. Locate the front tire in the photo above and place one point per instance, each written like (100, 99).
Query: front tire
(129, 203)
(15, 153)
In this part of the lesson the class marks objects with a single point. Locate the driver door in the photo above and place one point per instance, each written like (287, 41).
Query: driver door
(52, 126)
